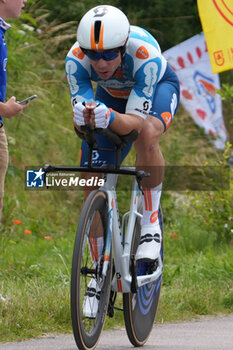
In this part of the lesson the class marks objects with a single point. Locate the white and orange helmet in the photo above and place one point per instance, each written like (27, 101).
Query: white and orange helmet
(103, 27)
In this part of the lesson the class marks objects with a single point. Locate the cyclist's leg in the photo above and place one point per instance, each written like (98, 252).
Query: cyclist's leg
(150, 158)
(164, 107)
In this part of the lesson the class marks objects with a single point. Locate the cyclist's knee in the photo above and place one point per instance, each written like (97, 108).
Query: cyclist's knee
(149, 136)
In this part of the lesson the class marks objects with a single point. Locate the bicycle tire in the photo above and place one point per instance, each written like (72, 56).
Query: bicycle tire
(88, 330)
(140, 308)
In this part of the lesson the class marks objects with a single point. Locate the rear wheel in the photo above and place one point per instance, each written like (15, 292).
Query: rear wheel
(140, 308)
(87, 265)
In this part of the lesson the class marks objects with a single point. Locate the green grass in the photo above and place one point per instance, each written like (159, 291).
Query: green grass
(35, 267)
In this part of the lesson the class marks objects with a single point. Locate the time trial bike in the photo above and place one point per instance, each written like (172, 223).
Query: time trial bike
(104, 251)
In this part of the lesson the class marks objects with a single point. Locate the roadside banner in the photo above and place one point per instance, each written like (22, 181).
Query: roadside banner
(217, 23)
(198, 85)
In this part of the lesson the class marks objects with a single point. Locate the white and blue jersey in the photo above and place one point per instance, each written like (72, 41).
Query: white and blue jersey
(142, 68)
(3, 61)
(143, 84)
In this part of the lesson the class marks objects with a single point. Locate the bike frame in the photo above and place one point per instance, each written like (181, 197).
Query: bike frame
(122, 243)
(125, 281)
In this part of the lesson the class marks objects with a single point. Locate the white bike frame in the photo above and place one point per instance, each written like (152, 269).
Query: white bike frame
(122, 249)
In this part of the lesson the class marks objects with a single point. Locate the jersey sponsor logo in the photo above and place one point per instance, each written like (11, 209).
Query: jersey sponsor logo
(71, 69)
(95, 155)
(140, 111)
(174, 103)
(150, 71)
(142, 53)
(77, 52)
(116, 84)
(146, 106)
(167, 118)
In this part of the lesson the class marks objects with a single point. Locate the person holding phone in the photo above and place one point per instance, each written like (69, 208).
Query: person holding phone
(10, 108)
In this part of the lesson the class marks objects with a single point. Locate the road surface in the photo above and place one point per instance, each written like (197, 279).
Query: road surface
(209, 333)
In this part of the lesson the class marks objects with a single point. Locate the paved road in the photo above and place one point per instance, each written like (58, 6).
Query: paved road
(206, 334)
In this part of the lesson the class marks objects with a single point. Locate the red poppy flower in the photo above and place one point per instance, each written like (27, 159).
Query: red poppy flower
(17, 222)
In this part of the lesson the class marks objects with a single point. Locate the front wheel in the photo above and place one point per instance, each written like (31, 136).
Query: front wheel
(87, 265)
(140, 308)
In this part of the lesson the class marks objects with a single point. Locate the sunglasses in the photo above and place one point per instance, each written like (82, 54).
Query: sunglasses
(106, 55)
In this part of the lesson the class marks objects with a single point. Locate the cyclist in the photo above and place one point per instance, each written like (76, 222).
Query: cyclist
(136, 89)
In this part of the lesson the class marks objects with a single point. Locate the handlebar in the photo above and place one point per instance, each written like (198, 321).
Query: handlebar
(120, 141)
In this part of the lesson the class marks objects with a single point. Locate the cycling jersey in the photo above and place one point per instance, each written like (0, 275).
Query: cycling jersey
(143, 66)
(143, 84)
(3, 61)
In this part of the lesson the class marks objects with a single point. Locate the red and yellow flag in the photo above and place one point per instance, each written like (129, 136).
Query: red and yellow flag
(217, 23)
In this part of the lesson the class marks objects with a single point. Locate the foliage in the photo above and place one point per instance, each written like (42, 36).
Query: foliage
(226, 93)
(170, 22)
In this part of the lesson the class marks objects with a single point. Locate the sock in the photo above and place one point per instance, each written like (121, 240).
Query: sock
(151, 201)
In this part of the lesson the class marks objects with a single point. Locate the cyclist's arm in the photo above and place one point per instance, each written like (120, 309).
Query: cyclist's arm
(140, 98)
(79, 81)
(123, 124)
(78, 77)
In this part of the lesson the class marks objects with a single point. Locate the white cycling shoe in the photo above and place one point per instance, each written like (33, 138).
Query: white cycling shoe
(150, 243)
(91, 300)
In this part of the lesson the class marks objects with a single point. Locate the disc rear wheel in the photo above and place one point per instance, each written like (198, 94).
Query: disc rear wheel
(140, 308)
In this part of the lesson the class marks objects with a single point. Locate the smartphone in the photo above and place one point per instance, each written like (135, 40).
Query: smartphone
(27, 99)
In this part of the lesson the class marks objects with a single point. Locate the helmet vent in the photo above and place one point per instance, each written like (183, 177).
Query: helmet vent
(97, 31)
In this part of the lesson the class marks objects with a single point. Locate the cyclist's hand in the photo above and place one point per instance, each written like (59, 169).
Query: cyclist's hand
(103, 115)
(78, 110)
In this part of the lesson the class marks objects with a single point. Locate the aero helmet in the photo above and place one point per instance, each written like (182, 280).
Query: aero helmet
(103, 27)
